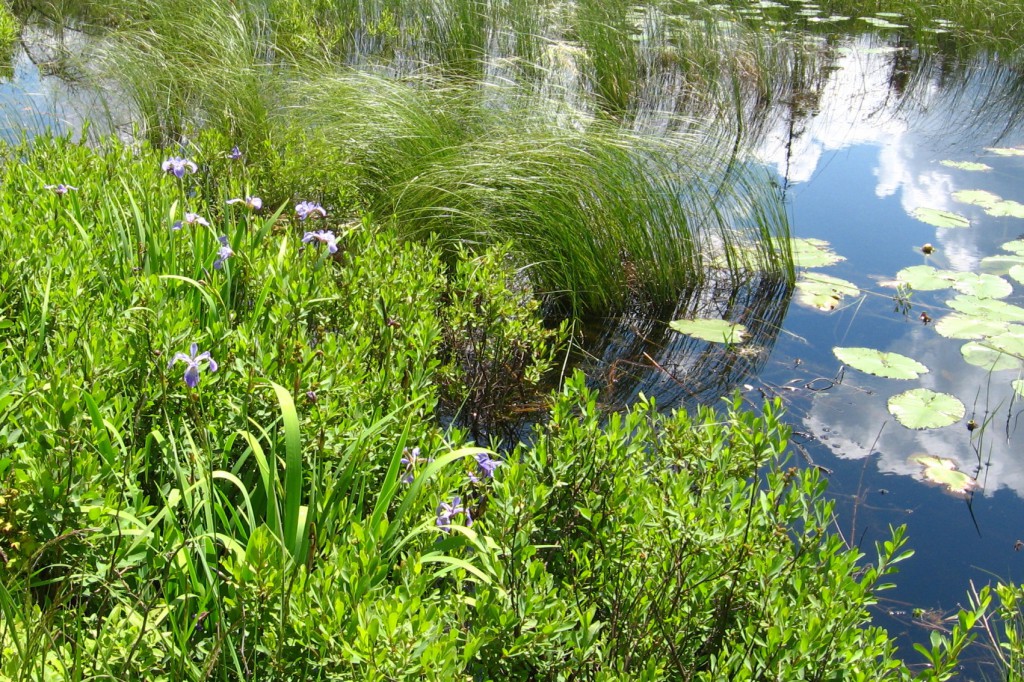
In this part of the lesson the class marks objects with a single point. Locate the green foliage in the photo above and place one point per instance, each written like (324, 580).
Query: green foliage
(694, 566)
(497, 348)
(10, 28)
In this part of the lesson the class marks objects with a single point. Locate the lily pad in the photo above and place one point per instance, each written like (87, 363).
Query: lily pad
(1017, 272)
(944, 472)
(967, 165)
(1014, 246)
(1001, 264)
(987, 356)
(963, 326)
(880, 363)
(1006, 151)
(926, 278)
(879, 22)
(1010, 342)
(823, 291)
(715, 331)
(982, 286)
(940, 218)
(987, 309)
(813, 253)
(921, 408)
(977, 197)
(1006, 209)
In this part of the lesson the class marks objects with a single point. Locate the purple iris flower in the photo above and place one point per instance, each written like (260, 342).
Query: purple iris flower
(190, 219)
(178, 166)
(251, 203)
(305, 209)
(223, 253)
(61, 189)
(411, 460)
(323, 237)
(235, 153)
(486, 464)
(446, 511)
(192, 361)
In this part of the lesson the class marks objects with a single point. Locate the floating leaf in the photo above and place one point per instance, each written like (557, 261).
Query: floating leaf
(1006, 151)
(967, 165)
(983, 354)
(1015, 246)
(878, 22)
(921, 408)
(1010, 342)
(1017, 272)
(880, 363)
(963, 326)
(716, 331)
(982, 286)
(1006, 209)
(813, 253)
(987, 309)
(926, 278)
(1001, 264)
(977, 197)
(823, 291)
(940, 218)
(944, 472)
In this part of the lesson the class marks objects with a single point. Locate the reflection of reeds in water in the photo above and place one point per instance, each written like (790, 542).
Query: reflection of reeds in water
(633, 353)
(440, 137)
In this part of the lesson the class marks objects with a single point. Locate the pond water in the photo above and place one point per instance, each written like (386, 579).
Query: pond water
(854, 169)
(855, 158)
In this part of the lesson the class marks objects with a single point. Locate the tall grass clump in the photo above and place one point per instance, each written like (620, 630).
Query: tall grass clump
(595, 213)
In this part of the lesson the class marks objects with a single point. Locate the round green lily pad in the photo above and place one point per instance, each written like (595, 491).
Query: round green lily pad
(879, 22)
(1006, 209)
(1001, 264)
(1014, 246)
(1017, 272)
(715, 331)
(823, 291)
(982, 286)
(926, 278)
(1005, 151)
(922, 408)
(963, 326)
(813, 253)
(987, 309)
(989, 357)
(880, 363)
(944, 472)
(977, 197)
(940, 218)
(1010, 342)
(967, 165)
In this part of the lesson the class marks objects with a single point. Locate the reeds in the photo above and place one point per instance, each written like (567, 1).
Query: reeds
(598, 210)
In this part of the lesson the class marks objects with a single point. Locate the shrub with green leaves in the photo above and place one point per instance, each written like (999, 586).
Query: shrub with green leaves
(496, 346)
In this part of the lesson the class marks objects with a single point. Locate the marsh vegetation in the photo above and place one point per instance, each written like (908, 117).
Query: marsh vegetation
(286, 354)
